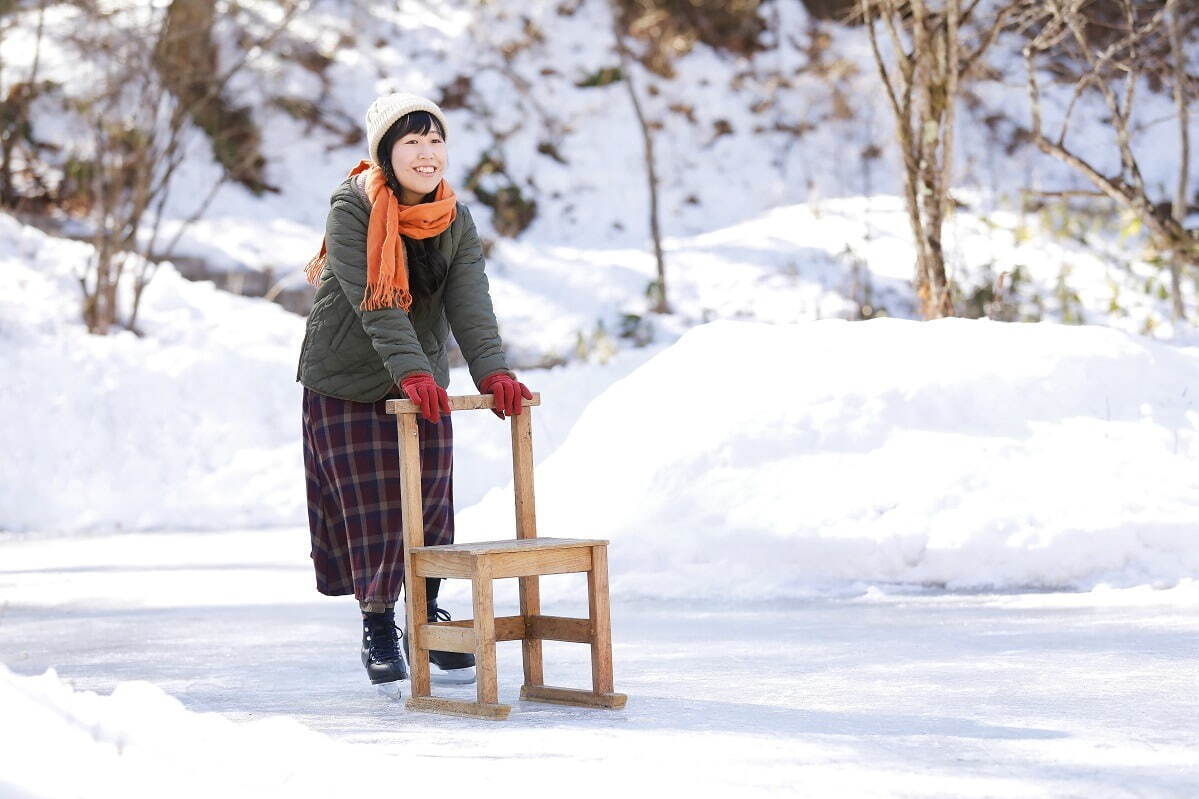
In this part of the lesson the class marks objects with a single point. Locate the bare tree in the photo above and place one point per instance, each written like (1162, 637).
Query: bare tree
(1139, 42)
(16, 99)
(135, 141)
(658, 287)
(934, 49)
(1182, 102)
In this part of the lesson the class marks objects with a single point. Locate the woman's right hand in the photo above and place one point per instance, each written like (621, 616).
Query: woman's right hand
(422, 389)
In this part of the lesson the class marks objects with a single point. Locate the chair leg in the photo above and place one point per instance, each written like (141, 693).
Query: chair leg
(530, 606)
(601, 621)
(487, 705)
(484, 623)
(414, 536)
(601, 694)
(418, 657)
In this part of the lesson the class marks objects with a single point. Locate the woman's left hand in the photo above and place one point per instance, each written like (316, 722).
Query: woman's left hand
(507, 391)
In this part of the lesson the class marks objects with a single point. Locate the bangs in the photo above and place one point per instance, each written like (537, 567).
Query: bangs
(420, 122)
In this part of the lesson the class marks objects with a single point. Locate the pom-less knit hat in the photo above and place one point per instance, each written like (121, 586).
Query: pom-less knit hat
(387, 109)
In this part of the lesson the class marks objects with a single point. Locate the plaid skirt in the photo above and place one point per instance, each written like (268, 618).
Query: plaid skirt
(352, 471)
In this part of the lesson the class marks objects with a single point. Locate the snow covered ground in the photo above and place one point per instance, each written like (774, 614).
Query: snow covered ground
(832, 549)
(885, 558)
(871, 690)
(882, 558)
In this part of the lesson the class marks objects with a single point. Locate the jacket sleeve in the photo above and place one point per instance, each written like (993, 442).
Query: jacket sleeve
(390, 329)
(468, 307)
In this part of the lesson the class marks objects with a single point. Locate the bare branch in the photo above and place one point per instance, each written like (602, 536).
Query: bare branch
(1184, 113)
(1118, 111)
(879, 61)
(138, 134)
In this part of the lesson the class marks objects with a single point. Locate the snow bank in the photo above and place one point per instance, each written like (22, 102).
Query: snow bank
(197, 424)
(141, 742)
(752, 460)
(745, 459)
(179, 428)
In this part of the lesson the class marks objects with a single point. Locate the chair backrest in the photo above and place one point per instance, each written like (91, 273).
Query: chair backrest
(522, 461)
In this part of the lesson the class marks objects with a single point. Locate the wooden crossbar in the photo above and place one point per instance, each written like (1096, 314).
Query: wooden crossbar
(571, 696)
(458, 636)
(463, 402)
(458, 707)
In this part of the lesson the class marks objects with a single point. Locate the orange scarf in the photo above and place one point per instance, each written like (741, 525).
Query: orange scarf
(386, 262)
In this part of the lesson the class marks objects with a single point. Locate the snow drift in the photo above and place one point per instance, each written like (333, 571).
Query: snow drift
(140, 742)
(752, 460)
(745, 459)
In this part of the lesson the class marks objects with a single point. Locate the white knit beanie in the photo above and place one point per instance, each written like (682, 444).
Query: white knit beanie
(385, 110)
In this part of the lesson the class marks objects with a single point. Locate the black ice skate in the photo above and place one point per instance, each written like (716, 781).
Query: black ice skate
(382, 654)
(448, 668)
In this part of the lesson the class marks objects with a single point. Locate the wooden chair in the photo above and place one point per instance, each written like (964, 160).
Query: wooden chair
(525, 557)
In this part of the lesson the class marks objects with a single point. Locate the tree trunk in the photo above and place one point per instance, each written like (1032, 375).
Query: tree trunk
(658, 287)
(1179, 208)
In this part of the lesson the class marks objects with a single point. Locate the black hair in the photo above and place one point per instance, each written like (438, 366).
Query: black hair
(427, 267)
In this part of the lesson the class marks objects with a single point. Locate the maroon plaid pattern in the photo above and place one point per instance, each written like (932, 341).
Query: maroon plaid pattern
(352, 470)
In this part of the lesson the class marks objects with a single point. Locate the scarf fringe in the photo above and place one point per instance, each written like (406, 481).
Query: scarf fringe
(376, 296)
(379, 297)
(315, 266)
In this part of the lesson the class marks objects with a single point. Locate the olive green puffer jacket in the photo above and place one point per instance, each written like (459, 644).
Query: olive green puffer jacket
(358, 355)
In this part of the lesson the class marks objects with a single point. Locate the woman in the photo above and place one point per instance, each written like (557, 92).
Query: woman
(400, 267)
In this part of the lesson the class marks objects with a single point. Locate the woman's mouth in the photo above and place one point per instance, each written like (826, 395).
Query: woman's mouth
(426, 171)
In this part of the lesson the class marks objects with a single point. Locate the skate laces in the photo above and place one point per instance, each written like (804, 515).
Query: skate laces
(383, 636)
(441, 614)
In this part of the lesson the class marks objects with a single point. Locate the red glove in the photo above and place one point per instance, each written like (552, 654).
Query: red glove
(508, 391)
(422, 389)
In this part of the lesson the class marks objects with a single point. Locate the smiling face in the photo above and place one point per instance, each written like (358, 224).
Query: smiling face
(419, 161)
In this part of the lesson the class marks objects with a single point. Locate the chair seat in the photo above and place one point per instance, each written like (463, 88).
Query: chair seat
(521, 557)
(513, 545)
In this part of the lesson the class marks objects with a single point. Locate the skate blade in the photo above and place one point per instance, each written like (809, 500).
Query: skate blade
(452, 676)
(389, 690)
